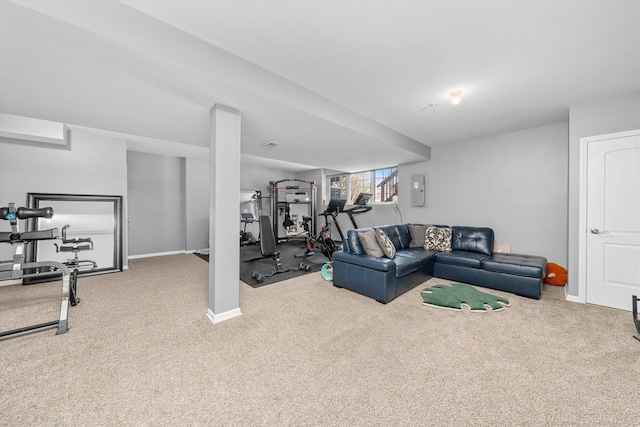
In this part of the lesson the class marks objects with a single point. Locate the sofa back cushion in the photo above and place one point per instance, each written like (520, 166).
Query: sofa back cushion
(369, 243)
(398, 234)
(417, 233)
(472, 239)
(437, 238)
(352, 241)
(385, 243)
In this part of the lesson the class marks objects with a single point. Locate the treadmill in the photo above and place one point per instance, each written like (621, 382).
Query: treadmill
(359, 206)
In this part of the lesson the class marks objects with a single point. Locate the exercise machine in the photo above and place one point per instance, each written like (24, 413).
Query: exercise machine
(635, 316)
(76, 245)
(359, 207)
(17, 269)
(322, 240)
(286, 194)
(268, 249)
(334, 208)
(246, 238)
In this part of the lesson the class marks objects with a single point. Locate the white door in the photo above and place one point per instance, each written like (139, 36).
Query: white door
(613, 220)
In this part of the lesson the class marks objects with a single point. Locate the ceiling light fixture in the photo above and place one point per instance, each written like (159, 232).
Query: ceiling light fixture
(456, 97)
(432, 105)
(269, 145)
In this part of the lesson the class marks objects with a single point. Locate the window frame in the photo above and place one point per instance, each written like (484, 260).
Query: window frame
(350, 195)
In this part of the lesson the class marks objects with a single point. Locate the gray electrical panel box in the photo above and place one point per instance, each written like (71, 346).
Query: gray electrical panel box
(418, 190)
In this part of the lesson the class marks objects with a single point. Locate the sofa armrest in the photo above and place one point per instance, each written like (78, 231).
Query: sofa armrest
(367, 261)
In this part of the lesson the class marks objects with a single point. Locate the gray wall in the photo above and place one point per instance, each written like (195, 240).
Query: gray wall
(94, 164)
(156, 187)
(197, 203)
(515, 183)
(257, 178)
(612, 115)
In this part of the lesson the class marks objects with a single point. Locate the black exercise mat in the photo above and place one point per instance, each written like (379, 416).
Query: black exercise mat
(288, 252)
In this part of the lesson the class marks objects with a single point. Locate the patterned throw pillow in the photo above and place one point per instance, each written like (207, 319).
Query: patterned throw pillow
(417, 233)
(385, 244)
(370, 244)
(438, 238)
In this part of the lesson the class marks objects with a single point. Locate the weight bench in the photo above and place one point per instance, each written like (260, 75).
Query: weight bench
(268, 249)
(18, 269)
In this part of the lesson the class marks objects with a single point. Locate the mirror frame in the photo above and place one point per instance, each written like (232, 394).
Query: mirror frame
(38, 200)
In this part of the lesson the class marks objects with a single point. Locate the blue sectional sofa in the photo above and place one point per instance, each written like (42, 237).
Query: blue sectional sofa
(471, 260)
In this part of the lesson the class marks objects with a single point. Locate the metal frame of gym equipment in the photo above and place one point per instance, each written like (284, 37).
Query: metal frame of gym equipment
(17, 269)
(636, 321)
(274, 192)
(334, 208)
(359, 206)
(75, 245)
(250, 218)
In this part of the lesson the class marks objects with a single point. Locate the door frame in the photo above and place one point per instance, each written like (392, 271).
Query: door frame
(582, 220)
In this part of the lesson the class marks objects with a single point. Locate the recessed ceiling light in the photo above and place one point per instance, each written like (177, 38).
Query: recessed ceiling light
(456, 97)
(269, 145)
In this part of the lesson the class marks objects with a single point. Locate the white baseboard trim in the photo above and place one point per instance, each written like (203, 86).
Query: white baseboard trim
(572, 298)
(11, 282)
(156, 254)
(217, 318)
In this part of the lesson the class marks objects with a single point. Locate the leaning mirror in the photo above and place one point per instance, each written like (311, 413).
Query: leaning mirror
(89, 228)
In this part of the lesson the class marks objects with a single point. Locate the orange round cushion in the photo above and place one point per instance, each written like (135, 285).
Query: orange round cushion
(556, 275)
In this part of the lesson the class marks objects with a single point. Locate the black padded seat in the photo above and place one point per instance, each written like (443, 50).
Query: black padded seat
(521, 265)
(74, 248)
(461, 258)
(39, 234)
(268, 242)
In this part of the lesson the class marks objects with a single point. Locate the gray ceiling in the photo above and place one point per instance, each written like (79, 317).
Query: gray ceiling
(338, 85)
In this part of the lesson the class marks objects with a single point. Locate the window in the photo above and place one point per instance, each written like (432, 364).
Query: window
(360, 183)
(382, 183)
(338, 187)
(386, 184)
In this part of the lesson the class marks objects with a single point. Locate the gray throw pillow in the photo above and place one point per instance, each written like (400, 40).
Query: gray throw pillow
(370, 243)
(438, 238)
(386, 244)
(417, 233)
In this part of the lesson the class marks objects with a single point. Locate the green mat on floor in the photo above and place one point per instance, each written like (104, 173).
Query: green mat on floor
(457, 295)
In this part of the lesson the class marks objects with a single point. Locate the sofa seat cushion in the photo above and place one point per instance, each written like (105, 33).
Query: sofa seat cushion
(461, 258)
(420, 253)
(407, 265)
(366, 261)
(520, 265)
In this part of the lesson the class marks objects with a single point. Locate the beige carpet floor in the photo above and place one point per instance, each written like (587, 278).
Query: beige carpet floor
(140, 351)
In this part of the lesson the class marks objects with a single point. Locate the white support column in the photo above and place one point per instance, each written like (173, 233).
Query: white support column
(224, 195)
